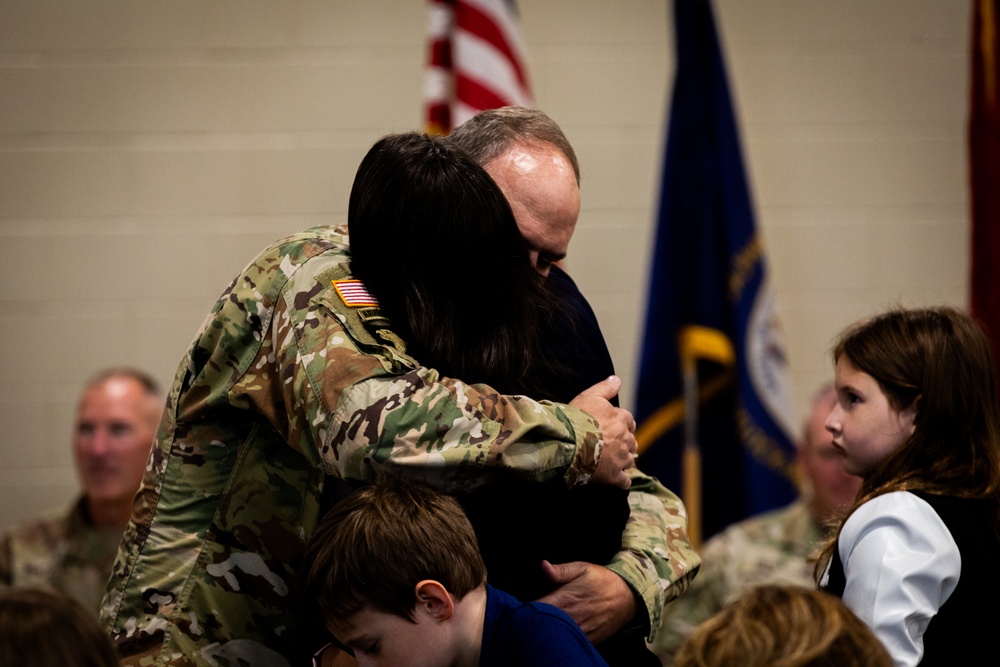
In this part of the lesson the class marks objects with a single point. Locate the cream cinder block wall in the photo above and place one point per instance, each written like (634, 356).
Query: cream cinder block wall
(854, 119)
(148, 150)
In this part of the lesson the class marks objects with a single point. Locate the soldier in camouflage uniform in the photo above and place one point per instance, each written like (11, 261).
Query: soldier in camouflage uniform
(773, 548)
(297, 374)
(73, 550)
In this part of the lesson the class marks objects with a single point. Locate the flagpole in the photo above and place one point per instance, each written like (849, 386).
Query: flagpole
(691, 461)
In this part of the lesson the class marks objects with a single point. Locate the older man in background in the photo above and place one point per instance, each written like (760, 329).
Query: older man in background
(533, 163)
(775, 547)
(73, 550)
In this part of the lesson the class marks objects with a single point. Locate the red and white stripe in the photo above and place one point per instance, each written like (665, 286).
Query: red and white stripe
(354, 293)
(476, 61)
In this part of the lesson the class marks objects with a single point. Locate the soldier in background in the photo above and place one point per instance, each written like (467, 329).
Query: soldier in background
(73, 550)
(775, 547)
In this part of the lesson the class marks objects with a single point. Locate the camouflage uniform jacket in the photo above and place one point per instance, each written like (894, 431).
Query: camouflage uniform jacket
(286, 383)
(773, 548)
(63, 551)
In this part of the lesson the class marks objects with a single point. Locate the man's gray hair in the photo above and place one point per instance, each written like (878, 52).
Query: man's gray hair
(489, 134)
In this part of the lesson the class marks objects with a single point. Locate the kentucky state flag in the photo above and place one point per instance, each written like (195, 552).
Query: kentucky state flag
(713, 384)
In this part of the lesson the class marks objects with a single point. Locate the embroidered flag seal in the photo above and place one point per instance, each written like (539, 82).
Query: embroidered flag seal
(354, 293)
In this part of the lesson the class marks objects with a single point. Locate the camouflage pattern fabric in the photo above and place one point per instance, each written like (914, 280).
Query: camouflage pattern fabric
(656, 559)
(283, 384)
(61, 551)
(773, 548)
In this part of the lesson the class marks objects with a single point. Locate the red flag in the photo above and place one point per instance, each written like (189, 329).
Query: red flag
(475, 62)
(984, 168)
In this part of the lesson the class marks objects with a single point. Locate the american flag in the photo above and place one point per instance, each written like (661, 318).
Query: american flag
(354, 293)
(476, 61)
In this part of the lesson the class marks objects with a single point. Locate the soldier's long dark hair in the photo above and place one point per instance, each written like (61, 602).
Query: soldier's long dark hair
(435, 241)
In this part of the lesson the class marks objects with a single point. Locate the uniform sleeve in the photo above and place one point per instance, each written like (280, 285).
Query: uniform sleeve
(355, 405)
(656, 559)
(706, 595)
(901, 564)
(455, 436)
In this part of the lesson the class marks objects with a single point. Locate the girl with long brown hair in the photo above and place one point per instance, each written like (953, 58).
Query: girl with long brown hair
(917, 418)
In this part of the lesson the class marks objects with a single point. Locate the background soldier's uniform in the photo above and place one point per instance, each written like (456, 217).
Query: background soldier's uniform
(283, 384)
(62, 551)
(772, 548)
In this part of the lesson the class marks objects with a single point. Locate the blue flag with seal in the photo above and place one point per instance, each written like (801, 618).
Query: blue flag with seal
(714, 401)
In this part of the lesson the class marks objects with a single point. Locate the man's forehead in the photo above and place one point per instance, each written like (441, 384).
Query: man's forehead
(541, 184)
(116, 392)
(549, 234)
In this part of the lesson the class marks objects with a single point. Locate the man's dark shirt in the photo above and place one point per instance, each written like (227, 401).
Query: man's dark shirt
(518, 523)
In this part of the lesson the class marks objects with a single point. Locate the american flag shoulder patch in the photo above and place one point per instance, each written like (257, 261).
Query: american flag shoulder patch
(354, 293)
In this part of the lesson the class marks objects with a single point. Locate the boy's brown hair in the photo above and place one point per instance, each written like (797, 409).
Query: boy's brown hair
(41, 627)
(378, 543)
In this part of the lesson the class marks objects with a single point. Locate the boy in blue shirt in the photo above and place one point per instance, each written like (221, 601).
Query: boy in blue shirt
(396, 573)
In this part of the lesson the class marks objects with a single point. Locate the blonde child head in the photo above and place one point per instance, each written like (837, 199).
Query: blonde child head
(783, 626)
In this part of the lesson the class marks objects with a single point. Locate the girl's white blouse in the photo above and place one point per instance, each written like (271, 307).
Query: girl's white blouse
(901, 564)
